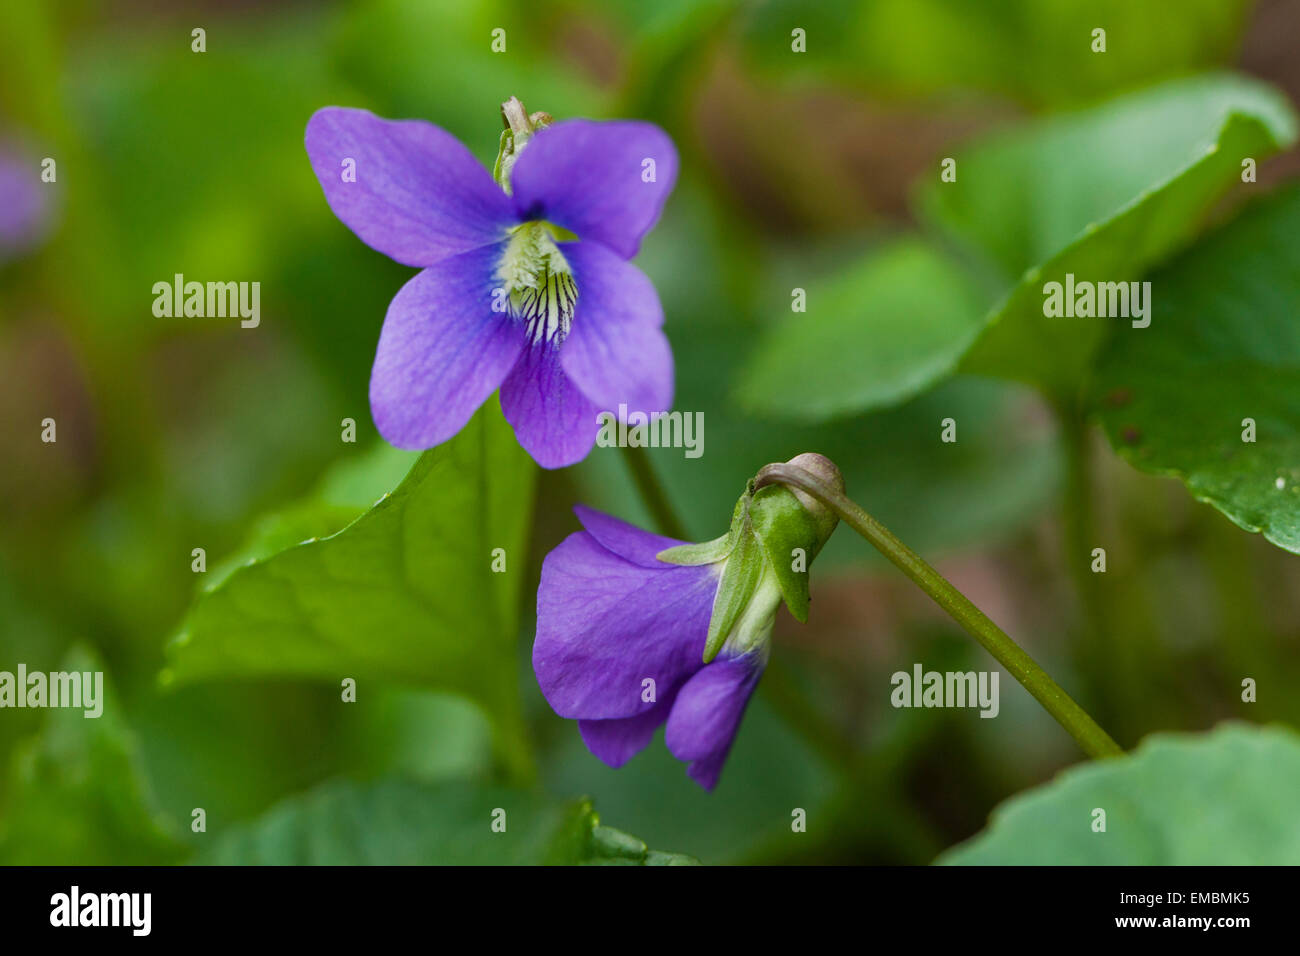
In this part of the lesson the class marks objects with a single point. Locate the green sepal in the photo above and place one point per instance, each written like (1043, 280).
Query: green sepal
(608, 843)
(783, 524)
(507, 144)
(610, 847)
(739, 581)
(708, 552)
(660, 858)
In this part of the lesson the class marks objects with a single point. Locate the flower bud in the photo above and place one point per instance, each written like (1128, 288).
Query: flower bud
(763, 559)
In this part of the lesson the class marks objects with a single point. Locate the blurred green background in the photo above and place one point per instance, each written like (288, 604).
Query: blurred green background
(181, 433)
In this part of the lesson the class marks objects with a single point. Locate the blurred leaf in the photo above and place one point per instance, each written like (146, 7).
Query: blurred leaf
(277, 737)
(1223, 798)
(401, 823)
(668, 50)
(199, 169)
(1104, 194)
(1223, 346)
(27, 635)
(770, 771)
(221, 468)
(404, 594)
(879, 333)
(434, 60)
(1005, 457)
(418, 735)
(78, 795)
(1039, 53)
(348, 489)
(30, 66)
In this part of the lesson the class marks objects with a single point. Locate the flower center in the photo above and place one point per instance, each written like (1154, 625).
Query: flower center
(538, 282)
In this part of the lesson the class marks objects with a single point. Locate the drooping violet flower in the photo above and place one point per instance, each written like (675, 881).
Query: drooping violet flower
(24, 203)
(635, 630)
(525, 285)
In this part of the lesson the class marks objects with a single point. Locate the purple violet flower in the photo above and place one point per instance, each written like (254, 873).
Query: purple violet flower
(635, 630)
(525, 285)
(24, 207)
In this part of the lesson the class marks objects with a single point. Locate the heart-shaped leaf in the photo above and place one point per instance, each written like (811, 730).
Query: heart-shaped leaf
(1222, 798)
(420, 589)
(1036, 52)
(874, 335)
(1210, 392)
(1102, 194)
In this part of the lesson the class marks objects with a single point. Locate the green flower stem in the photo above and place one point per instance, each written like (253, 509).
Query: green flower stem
(1094, 741)
(1097, 650)
(652, 493)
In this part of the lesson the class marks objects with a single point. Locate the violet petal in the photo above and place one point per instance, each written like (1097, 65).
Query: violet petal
(24, 207)
(553, 420)
(442, 352)
(589, 177)
(616, 352)
(419, 194)
(605, 625)
(707, 713)
(626, 540)
(618, 740)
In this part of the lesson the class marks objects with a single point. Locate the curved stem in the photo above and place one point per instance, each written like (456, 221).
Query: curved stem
(1094, 741)
(652, 493)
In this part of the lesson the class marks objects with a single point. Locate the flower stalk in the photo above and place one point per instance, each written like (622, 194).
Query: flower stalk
(652, 493)
(1094, 741)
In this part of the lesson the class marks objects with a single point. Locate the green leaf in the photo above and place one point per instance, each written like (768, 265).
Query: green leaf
(435, 60)
(347, 490)
(875, 335)
(1039, 53)
(157, 220)
(1223, 346)
(398, 822)
(1104, 194)
(1005, 456)
(1221, 799)
(770, 771)
(79, 795)
(406, 593)
(665, 48)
